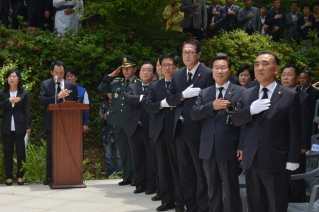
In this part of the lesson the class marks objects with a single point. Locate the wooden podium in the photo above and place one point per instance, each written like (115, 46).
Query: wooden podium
(67, 144)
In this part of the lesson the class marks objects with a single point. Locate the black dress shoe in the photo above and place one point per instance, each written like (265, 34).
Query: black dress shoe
(139, 190)
(156, 198)
(8, 183)
(133, 184)
(179, 208)
(166, 206)
(47, 181)
(21, 183)
(148, 192)
(124, 182)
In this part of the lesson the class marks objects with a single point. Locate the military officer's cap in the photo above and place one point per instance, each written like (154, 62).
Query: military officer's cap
(128, 62)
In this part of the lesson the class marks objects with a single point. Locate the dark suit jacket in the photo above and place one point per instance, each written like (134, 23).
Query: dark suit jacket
(20, 112)
(224, 139)
(132, 98)
(47, 97)
(314, 96)
(230, 22)
(196, 15)
(151, 103)
(5, 5)
(306, 119)
(243, 19)
(202, 79)
(292, 31)
(303, 33)
(38, 7)
(273, 136)
(272, 22)
(218, 20)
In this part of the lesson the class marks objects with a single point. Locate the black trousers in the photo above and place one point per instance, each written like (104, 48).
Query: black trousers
(39, 21)
(198, 33)
(266, 191)
(143, 165)
(8, 145)
(22, 12)
(169, 179)
(191, 172)
(222, 174)
(48, 164)
(4, 18)
(297, 188)
(155, 166)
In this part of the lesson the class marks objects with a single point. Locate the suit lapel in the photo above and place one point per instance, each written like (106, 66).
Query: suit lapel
(197, 75)
(183, 78)
(274, 98)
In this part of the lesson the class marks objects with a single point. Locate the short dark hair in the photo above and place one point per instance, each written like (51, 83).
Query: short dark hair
(290, 65)
(315, 4)
(250, 69)
(195, 43)
(306, 5)
(293, 2)
(171, 56)
(222, 56)
(203, 61)
(273, 1)
(6, 84)
(276, 60)
(148, 62)
(305, 71)
(57, 63)
(72, 71)
(261, 6)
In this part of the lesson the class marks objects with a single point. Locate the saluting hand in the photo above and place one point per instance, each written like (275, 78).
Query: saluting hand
(116, 72)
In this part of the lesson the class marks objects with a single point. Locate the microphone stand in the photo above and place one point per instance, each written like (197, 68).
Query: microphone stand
(55, 90)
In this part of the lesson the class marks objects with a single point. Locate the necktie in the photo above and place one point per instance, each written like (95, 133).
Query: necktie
(127, 83)
(58, 91)
(189, 81)
(265, 95)
(167, 84)
(144, 87)
(220, 95)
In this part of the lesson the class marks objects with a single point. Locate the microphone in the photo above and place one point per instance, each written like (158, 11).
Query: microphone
(55, 79)
(55, 90)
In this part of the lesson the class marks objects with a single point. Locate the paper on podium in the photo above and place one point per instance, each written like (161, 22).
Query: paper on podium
(26, 139)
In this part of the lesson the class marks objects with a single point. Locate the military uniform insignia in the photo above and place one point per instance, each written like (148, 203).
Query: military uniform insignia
(116, 95)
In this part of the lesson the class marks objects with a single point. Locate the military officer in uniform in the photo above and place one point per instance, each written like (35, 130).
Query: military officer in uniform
(119, 112)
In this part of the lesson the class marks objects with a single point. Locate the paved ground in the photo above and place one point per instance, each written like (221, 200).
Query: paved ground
(99, 195)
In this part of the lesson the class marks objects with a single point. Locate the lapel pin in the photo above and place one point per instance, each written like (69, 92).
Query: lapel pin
(122, 83)
(229, 92)
(279, 92)
(199, 75)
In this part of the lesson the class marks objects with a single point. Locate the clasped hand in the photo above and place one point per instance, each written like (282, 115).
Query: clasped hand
(219, 104)
(14, 99)
(63, 93)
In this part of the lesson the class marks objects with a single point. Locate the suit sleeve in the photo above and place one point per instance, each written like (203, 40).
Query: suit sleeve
(167, 12)
(202, 110)
(178, 18)
(130, 98)
(242, 113)
(241, 18)
(294, 122)
(148, 102)
(289, 20)
(173, 98)
(284, 22)
(186, 8)
(306, 123)
(27, 113)
(222, 18)
(43, 98)
(4, 102)
(258, 21)
(204, 13)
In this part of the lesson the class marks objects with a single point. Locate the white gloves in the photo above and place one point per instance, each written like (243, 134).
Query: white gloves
(259, 105)
(292, 166)
(190, 92)
(165, 104)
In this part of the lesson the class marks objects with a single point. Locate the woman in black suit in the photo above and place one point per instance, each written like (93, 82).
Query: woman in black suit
(16, 122)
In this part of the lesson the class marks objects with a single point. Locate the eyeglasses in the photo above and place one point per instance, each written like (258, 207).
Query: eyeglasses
(223, 68)
(167, 65)
(13, 77)
(188, 53)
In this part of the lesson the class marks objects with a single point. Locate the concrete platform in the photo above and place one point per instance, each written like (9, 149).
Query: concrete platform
(100, 195)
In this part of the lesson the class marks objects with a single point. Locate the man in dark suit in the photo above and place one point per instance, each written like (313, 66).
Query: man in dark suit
(305, 79)
(272, 138)
(5, 10)
(249, 18)
(182, 93)
(289, 78)
(276, 21)
(119, 112)
(231, 11)
(195, 17)
(39, 12)
(292, 18)
(66, 91)
(220, 146)
(162, 136)
(216, 15)
(19, 8)
(137, 128)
